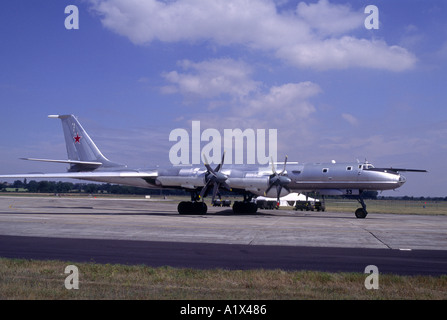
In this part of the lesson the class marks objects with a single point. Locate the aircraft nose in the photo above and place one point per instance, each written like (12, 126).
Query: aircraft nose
(402, 180)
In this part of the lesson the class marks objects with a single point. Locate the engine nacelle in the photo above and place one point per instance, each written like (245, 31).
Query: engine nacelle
(256, 186)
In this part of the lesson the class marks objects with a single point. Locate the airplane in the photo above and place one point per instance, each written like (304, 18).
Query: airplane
(86, 162)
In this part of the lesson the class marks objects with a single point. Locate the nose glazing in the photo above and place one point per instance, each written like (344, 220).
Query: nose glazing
(402, 180)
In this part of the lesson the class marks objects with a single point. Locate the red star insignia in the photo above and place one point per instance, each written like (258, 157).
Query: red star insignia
(77, 138)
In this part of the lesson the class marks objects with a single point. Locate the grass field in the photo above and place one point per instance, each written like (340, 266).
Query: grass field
(25, 279)
(390, 206)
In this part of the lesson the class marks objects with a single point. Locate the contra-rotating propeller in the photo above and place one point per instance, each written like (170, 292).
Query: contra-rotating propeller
(215, 178)
(278, 180)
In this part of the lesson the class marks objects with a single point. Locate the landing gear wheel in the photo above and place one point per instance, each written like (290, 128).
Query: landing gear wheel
(188, 207)
(361, 213)
(244, 207)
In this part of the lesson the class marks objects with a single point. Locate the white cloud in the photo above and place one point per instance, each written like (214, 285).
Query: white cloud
(211, 78)
(327, 18)
(240, 95)
(313, 35)
(225, 22)
(350, 119)
(284, 103)
(348, 52)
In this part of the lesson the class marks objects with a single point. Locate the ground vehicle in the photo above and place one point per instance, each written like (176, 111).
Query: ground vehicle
(267, 204)
(221, 203)
(310, 205)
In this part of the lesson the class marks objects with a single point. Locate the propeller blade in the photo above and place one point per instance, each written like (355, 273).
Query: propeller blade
(219, 166)
(268, 189)
(226, 186)
(208, 167)
(278, 192)
(202, 193)
(273, 166)
(215, 188)
(284, 169)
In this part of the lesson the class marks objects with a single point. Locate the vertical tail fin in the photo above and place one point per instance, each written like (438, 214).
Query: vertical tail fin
(80, 147)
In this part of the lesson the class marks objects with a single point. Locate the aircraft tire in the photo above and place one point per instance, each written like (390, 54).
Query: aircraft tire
(240, 207)
(201, 207)
(188, 207)
(360, 213)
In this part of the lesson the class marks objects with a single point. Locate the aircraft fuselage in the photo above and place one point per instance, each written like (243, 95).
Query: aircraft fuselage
(326, 178)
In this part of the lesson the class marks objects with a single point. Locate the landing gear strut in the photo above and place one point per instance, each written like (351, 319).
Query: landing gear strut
(192, 207)
(361, 213)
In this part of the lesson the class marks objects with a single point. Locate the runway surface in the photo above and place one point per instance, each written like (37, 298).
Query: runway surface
(152, 233)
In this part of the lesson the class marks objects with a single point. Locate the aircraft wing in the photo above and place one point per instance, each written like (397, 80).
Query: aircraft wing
(396, 170)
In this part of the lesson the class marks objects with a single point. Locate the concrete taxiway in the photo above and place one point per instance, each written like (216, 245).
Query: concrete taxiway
(146, 220)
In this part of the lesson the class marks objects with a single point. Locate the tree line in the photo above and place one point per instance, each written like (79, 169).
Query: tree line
(90, 188)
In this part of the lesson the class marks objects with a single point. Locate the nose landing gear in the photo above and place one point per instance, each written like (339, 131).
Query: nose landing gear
(361, 213)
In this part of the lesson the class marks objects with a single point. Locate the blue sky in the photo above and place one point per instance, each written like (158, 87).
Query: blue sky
(135, 70)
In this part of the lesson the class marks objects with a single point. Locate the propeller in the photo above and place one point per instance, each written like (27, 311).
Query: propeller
(214, 178)
(278, 180)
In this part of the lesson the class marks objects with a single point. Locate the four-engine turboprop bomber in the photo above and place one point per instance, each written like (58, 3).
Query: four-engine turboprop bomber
(86, 162)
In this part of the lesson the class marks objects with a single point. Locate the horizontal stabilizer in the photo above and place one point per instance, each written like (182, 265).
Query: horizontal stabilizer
(76, 165)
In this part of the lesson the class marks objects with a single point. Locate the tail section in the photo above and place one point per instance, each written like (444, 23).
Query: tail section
(83, 154)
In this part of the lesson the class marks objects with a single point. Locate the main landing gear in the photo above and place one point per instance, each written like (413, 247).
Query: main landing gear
(192, 207)
(195, 206)
(246, 206)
